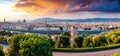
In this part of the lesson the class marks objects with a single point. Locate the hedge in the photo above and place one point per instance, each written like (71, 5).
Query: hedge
(89, 49)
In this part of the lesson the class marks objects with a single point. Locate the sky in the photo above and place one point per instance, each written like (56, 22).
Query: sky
(12, 10)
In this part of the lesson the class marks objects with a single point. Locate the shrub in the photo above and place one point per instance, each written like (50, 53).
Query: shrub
(3, 39)
(1, 51)
(61, 41)
(29, 45)
(87, 42)
(112, 36)
(78, 40)
(66, 33)
(87, 49)
(52, 42)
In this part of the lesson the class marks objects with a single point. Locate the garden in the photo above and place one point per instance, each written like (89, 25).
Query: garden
(35, 45)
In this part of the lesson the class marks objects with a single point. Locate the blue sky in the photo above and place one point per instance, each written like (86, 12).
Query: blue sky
(6, 2)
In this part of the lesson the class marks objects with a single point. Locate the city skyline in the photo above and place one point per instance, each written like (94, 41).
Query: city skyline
(13, 10)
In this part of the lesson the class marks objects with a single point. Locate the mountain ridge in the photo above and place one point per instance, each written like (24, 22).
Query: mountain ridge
(77, 20)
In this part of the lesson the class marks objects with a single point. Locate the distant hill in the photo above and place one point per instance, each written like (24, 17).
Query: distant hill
(78, 20)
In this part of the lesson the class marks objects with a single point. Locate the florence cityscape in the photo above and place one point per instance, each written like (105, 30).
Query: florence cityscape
(59, 27)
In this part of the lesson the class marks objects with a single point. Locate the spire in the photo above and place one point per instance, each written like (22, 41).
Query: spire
(4, 20)
(24, 21)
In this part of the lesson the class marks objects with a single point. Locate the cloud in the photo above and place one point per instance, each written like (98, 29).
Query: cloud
(66, 6)
(51, 6)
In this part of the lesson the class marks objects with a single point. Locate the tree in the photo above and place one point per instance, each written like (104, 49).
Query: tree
(5, 33)
(29, 45)
(64, 41)
(56, 39)
(102, 39)
(52, 42)
(85, 34)
(99, 40)
(38, 46)
(66, 33)
(110, 37)
(78, 40)
(14, 43)
(1, 51)
(87, 42)
(61, 28)
(3, 39)
(117, 40)
(61, 41)
(113, 36)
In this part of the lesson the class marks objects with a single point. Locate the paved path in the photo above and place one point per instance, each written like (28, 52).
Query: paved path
(98, 53)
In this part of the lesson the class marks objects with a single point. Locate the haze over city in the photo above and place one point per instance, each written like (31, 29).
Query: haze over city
(13, 10)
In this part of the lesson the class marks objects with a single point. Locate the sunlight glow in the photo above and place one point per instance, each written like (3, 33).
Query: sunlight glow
(10, 12)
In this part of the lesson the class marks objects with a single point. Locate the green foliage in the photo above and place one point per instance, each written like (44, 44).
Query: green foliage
(99, 40)
(88, 49)
(35, 47)
(96, 41)
(66, 33)
(61, 41)
(57, 41)
(78, 40)
(64, 41)
(102, 38)
(117, 40)
(112, 37)
(85, 34)
(61, 28)
(2, 33)
(3, 39)
(29, 45)
(1, 51)
(52, 42)
(87, 42)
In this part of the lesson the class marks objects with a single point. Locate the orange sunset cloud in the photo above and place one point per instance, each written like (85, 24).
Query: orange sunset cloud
(51, 6)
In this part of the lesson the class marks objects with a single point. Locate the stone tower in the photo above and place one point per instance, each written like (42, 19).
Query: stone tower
(72, 33)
